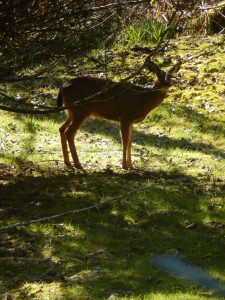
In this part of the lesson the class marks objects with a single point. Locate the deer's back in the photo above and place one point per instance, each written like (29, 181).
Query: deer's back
(116, 102)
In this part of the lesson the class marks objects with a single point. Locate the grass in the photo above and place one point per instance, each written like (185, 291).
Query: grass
(105, 253)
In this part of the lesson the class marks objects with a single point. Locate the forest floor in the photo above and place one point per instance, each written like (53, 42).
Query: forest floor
(176, 206)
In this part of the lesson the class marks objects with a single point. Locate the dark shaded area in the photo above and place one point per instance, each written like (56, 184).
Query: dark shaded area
(217, 19)
(128, 244)
(39, 32)
(36, 32)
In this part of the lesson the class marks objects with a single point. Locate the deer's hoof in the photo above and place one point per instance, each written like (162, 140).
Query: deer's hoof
(127, 166)
(78, 166)
(68, 164)
(124, 166)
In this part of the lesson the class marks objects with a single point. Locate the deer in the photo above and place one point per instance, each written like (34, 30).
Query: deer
(124, 102)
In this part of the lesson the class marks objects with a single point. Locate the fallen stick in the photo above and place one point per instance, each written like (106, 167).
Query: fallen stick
(72, 212)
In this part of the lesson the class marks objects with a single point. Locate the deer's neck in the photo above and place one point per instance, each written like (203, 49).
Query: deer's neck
(155, 95)
(161, 86)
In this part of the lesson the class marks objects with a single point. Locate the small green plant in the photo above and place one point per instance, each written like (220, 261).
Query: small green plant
(148, 31)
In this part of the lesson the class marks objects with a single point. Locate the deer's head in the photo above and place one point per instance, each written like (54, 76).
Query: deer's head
(164, 78)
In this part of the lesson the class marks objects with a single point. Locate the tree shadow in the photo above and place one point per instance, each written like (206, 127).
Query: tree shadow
(129, 231)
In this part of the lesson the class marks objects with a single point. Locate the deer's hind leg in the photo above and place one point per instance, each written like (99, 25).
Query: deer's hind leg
(62, 131)
(73, 127)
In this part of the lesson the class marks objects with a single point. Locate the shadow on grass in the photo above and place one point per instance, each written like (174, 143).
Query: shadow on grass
(169, 216)
(204, 124)
(108, 129)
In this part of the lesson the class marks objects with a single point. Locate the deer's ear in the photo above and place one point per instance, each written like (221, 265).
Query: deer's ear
(175, 68)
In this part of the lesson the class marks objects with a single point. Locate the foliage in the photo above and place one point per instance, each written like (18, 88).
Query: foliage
(37, 31)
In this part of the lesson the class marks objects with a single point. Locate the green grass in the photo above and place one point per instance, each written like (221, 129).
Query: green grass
(145, 32)
(178, 153)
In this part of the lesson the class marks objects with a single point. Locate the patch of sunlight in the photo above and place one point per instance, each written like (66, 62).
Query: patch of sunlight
(40, 290)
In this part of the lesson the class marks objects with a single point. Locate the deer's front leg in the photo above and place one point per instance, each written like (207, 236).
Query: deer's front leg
(125, 130)
(129, 143)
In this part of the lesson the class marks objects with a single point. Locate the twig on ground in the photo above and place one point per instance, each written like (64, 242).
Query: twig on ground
(87, 256)
(72, 212)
